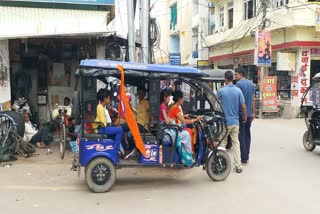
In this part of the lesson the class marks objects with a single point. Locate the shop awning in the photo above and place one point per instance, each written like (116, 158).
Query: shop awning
(19, 22)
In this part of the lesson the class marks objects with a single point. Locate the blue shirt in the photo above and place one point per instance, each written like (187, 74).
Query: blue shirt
(247, 89)
(231, 99)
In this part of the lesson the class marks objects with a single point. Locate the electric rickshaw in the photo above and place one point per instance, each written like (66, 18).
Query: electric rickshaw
(98, 153)
(310, 108)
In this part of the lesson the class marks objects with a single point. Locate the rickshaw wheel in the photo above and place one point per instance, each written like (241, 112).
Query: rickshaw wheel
(219, 166)
(100, 174)
(306, 142)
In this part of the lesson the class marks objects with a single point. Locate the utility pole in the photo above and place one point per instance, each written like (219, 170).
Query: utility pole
(264, 5)
(131, 32)
(145, 23)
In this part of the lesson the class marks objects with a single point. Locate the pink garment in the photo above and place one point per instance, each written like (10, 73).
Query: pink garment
(163, 107)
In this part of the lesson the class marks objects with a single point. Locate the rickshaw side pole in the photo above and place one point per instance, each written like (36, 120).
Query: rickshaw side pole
(82, 107)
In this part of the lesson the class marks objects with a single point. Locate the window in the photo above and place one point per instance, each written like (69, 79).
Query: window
(230, 15)
(279, 3)
(173, 17)
(212, 23)
(249, 9)
(221, 17)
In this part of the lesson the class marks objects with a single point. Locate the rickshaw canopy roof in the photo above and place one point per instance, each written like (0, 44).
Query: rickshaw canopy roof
(216, 74)
(98, 68)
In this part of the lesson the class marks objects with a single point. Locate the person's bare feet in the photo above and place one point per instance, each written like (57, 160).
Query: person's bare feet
(41, 145)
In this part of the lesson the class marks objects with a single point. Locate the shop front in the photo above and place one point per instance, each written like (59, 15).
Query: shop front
(42, 70)
(294, 64)
(41, 53)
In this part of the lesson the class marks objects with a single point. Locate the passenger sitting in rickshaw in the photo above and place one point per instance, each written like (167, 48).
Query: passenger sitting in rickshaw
(104, 97)
(184, 139)
(142, 111)
(164, 107)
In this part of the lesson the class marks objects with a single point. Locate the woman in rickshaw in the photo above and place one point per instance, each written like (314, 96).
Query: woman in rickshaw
(104, 97)
(184, 138)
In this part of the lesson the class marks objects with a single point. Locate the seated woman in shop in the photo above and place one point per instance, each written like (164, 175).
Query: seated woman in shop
(104, 97)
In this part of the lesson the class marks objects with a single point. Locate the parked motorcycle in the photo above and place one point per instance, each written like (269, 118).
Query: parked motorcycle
(311, 111)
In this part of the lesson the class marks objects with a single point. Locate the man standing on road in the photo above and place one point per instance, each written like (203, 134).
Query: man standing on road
(232, 99)
(247, 89)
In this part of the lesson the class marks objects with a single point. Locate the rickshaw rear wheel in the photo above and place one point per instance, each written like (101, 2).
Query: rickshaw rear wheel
(100, 174)
(307, 142)
(219, 166)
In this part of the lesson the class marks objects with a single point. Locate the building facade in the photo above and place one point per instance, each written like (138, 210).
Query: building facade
(183, 24)
(41, 45)
(295, 42)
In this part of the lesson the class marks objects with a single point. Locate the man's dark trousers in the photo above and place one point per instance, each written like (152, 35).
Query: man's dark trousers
(245, 139)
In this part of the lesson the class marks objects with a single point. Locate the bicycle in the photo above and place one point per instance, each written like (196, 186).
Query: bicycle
(63, 131)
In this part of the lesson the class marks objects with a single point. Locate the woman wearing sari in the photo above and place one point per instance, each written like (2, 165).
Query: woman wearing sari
(184, 138)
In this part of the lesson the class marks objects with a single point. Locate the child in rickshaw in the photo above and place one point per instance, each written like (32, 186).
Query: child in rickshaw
(104, 97)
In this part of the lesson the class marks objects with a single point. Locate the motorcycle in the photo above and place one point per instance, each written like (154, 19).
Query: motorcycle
(311, 111)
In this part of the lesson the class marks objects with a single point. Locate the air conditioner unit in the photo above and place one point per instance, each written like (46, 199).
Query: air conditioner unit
(211, 5)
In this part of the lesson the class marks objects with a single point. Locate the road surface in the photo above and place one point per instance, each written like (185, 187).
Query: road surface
(281, 177)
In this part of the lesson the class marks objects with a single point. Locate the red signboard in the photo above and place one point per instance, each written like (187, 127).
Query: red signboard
(269, 94)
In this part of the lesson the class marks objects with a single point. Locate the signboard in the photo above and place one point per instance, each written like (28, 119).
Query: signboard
(301, 80)
(304, 71)
(5, 91)
(315, 52)
(317, 24)
(175, 58)
(89, 2)
(286, 61)
(269, 94)
(204, 64)
(244, 60)
(262, 52)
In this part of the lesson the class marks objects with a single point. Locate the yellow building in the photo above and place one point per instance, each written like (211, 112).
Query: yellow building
(295, 41)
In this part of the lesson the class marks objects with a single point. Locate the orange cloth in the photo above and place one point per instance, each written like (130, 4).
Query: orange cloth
(125, 108)
(173, 114)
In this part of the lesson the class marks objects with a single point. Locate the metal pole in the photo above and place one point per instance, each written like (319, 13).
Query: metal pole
(264, 5)
(131, 32)
(145, 4)
(260, 85)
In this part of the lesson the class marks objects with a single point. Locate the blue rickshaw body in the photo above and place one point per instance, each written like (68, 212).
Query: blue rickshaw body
(99, 154)
(90, 149)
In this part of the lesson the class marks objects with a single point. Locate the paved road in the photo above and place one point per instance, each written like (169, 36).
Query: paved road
(280, 178)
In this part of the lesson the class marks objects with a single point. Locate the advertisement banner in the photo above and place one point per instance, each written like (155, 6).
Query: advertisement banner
(90, 2)
(262, 52)
(5, 92)
(269, 94)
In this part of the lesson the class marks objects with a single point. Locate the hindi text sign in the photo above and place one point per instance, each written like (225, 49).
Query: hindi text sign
(269, 94)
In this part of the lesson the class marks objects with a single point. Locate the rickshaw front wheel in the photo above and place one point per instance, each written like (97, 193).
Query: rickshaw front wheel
(219, 166)
(307, 142)
(100, 174)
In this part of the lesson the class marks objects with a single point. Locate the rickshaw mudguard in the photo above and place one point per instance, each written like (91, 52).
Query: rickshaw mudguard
(89, 150)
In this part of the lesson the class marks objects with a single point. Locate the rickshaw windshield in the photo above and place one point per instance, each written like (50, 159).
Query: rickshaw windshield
(311, 96)
(210, 100)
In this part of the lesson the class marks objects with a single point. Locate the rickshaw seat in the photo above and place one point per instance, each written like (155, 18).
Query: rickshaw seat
(148, 137)
(94, 136)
